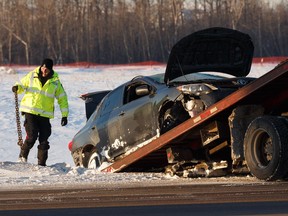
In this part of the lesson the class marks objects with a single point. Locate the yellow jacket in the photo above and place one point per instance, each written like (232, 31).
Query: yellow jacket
(39, 100)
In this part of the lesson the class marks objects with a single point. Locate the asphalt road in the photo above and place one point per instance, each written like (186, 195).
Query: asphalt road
(208, 198)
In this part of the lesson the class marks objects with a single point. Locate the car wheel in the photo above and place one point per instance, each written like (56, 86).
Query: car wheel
(94, 161)
(173, 116)
(266, 148)
(167, 121)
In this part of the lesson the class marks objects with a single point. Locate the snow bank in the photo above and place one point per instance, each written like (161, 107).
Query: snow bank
(61, 170)
(27, 175)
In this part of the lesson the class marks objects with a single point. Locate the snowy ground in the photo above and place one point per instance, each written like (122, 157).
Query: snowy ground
(61, 169)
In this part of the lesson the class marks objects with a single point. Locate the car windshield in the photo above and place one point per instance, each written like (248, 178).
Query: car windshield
(201, 76)
(159, 78)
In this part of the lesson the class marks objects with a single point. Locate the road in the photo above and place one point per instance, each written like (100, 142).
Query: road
(206, 198)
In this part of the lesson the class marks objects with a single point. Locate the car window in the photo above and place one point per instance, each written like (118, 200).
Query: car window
(131, 93)
(112, 101)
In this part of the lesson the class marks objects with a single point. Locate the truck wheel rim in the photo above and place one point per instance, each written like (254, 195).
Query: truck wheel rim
(263, 148)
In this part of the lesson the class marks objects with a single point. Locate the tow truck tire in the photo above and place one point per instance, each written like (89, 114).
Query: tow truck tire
(266, 148)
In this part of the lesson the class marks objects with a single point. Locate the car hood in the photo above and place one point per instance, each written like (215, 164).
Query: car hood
(214, 49)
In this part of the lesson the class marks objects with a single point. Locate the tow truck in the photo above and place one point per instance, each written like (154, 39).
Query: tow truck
(258, 139)
(245, 132)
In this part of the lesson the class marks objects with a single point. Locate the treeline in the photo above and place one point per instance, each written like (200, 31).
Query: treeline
(126, 31)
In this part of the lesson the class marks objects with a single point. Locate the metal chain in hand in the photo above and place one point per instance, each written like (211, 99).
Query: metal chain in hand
(19, 131)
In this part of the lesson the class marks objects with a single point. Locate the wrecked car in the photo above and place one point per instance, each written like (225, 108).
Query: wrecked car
(203, 68)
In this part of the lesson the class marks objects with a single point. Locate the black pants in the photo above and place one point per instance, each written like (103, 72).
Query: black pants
(37, 127)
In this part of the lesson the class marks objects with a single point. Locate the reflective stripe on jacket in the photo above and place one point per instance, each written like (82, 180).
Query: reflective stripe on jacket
(39, 100)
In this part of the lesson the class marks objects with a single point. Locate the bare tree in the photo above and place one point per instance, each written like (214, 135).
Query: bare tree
(121, 31)
(236, 9)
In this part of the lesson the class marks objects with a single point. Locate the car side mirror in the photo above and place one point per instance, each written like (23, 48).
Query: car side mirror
(142, 90)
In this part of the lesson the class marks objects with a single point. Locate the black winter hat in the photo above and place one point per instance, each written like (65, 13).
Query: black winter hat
(48, 63)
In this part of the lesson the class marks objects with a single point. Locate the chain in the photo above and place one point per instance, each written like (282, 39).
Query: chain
(19, 131)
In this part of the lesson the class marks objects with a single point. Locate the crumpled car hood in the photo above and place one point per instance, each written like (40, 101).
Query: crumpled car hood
(215, 49)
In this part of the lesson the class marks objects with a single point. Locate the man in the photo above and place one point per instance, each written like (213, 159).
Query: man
(41, 86)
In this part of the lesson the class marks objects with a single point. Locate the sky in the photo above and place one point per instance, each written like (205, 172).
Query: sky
(60, 168)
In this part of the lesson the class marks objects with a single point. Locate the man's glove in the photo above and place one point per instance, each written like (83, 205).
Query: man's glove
(15, 88)
(64, 121)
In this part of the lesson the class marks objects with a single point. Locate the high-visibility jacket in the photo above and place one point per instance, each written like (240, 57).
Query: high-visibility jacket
(38, 99)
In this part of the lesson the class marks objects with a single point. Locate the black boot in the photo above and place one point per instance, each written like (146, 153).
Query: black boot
(43, 153)
(23, 155)
(24, 152)
(42, 157)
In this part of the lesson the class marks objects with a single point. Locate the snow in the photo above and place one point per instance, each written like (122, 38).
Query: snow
(60, 168)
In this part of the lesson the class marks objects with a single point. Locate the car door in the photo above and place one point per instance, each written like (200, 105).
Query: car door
(138, 120)
(108, 123)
